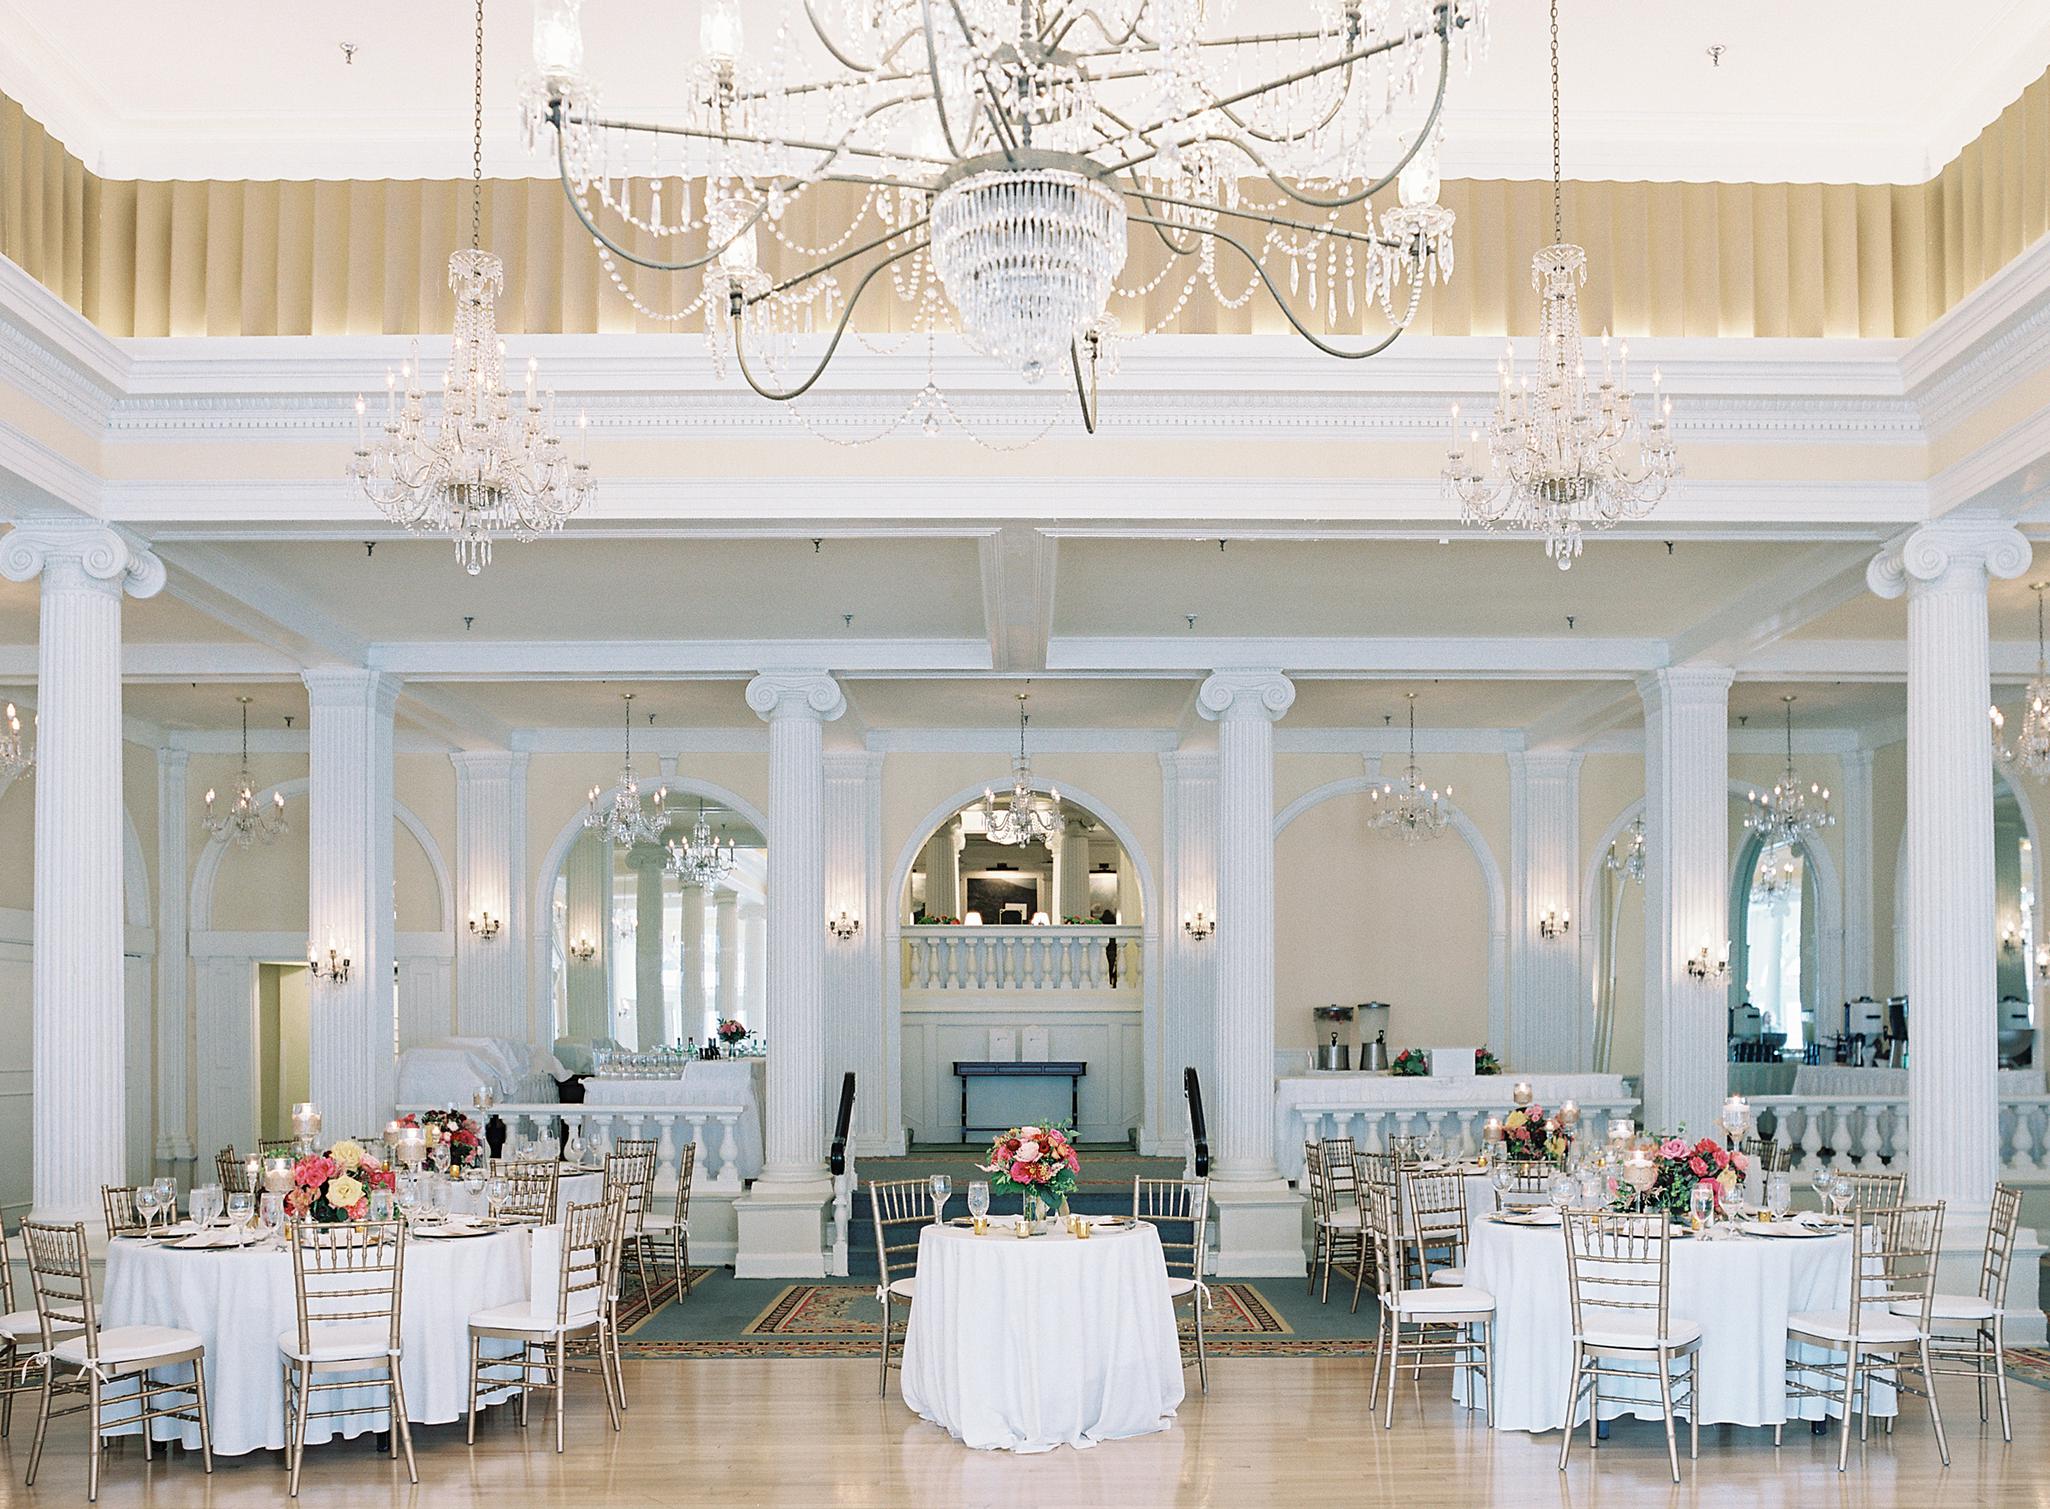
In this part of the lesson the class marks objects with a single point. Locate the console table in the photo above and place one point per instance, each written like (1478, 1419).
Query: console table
(970, 1070)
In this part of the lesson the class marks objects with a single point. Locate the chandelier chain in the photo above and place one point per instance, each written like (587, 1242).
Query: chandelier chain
(1558, 215)
(477, 136)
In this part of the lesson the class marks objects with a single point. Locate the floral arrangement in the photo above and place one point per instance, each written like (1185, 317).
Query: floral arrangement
(1037, 1161)
(335, 1185)
(936, 919)
(1678, 1166)
(1086, 921)
(1411, 1063)
(465, 1146)
(1485, 1063)
(1531, 1135)
(731, 1031)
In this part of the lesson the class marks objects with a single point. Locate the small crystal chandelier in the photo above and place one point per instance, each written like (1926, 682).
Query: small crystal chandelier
(1557, 457)
(624, 821)
(2031, 753)
(16, 758)
(701, 860)
(1778, 878)
(1788, 814)
(484, 467)
(246, 821)
(1629, 860)
(1024, 818)
(1410, 811)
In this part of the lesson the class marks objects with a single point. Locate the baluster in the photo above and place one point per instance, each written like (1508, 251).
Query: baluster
(1405, 1123)
(921, 962)
(1811, 1136)
(573, 1123)
(1375, 1142)
(1131, 964)
(2039, 1133)
(1900, 1138)
(665, 1151)
(1434, 1122)
(1341, 1123)
(729, 1149)
(603, 1131)
(2011, 1133)
(1840, 1146)
(701, 1172)
(1037, 963)
(1313, 1124)
(1466, 1148)
(1868, 1142)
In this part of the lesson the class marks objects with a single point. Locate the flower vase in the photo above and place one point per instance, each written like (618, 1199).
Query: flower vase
(1035, 1211)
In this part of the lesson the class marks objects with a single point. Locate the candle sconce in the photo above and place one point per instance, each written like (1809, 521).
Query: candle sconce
(1554, 925)
(843, 926)
(1199, 926)
(486, 926)
(335, 970)
(1703, 967)
(583, 950)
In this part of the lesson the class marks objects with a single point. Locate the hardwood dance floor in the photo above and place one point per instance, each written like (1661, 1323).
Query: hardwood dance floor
(1272, 1431)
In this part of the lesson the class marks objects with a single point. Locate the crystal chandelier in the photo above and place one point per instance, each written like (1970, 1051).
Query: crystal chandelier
(488, 465)
(701, 860)
(2031, 753)
(1559, 456)
(623, 821)
(246, 820)
(1410, 811)
(1778, 877)
(1629, 860)
(1023, 818)
(16, 758)
(1787, 814)
(989, 161)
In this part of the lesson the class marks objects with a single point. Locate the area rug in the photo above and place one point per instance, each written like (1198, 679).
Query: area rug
(2029, 1365)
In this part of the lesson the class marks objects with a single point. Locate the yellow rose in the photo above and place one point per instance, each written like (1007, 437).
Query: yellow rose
(343, 1191)
(1517, 1119)
(348, 1154)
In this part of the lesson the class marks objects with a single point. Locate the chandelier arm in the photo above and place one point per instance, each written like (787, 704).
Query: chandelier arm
(1085, 396)
(876, 244)
(839, 55)
(839, 331)
(791, 183)
(932, 68)
(1000, 120)
(1335, 232)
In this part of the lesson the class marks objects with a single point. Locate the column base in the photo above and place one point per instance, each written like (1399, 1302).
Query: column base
(1259, 1229)
(781, 1228)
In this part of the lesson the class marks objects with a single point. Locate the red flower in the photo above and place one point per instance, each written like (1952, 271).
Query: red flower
(1697, 1166)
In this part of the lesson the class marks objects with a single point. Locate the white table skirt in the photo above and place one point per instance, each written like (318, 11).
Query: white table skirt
(240, 1302)
(570, 1189)
(1028, 1345)
(705, 1082)
(1740, 1290)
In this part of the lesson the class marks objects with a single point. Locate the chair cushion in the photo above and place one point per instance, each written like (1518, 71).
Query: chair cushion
(1179, 1285)
(663, 1223)
(1461, 1301)
(119, 1344)
(1943, 1307)
(1835, 1325)
(339, 1341)
(904, 1288)
(520, 1316)
(1345, 1218)
(1610, 1330)
(21, 1325)
(1448, 1278)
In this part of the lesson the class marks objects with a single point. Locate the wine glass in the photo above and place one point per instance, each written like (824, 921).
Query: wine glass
(1841, 1193)
(942, 1187)
(1434, 1146)
(1779, 1195)
(1701, 1204)
(1821, 1179)
(240, 1204)
(147, 1203)
(573, 1150)
(978, 1198)
(1563, 1189)
(495, 1190)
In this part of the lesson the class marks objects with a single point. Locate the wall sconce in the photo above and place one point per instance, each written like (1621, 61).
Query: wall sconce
(1199, 926)
(486, 926)
(2043, 961)
(843, 926)
(2010, 938)
(1554, 925)
(336, 970)
(1703, 967)
(583, 950)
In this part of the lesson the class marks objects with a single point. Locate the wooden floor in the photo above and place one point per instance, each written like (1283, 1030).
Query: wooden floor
(813, 1433)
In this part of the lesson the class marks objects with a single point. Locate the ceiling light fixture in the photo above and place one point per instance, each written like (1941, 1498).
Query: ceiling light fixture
(1788, 815)
(1024, 818)
(701, 860)
(2031, 752)
(246, 821)
(16, 758)
(1410, 811)
(624, 821)
(1628, 861)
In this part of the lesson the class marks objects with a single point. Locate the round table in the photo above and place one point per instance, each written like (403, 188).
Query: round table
(1739, 1289)
(240, 1301)
(574, 1185)
(1032, 1343)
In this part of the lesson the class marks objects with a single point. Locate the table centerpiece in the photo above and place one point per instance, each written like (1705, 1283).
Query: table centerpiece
(1664, 1175)
(1410, 1063)
(1039, 1163)
(450, 1129)
(1530, 1134)
(732, 1033)
(335, 1186)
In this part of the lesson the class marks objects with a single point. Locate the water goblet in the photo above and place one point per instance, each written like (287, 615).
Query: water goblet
(167, 1196)
(1841, 1193)
(146, 1203)
(978, 1198)
(1701, 1204)
(380, 1205)
(942, 1187)
(1563, 1189)
(1779, 1195)
(495, 1191)
(240, 1204)
(1434, 1146)
(1821, 1179)
(574, 1148)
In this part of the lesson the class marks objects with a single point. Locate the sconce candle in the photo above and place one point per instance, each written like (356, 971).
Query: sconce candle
(486, 926)
(1522, 1094)
(1569, 1113)
(306, 1121)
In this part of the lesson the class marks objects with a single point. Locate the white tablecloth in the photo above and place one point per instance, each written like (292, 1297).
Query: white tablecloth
(1045, 1342)
(1741, 1290)
(240, 1302)
(571, 1188)
(705, 1082)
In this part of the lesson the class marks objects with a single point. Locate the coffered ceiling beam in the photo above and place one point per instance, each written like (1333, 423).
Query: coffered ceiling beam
(665, 659)
(1017, 596)
(1464, 657)
(1815, 582)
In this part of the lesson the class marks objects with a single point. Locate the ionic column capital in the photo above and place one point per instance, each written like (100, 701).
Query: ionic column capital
(80, 555)
(1245, 694)
(796, 694)
(1954, 554)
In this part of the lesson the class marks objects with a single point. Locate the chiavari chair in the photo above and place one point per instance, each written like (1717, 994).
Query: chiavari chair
(1968, 1337)
(530, 1192)
(1873, 1192)
(346, 1282)
(1338, 1233)
(1768, 1154)
(668, 1235)
(630, 1168)
(21, 1363)
(1181, 1206)
(1437, 1214)
(117, 1202)
(900, 1210)
(1434, 1326)
(232, 1169)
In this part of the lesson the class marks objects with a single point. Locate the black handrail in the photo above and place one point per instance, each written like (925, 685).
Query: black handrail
(1199, 1129)
(837, 1159)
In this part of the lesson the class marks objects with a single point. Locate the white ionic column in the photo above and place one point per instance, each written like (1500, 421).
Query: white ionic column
(491, 868)
(1953, 1057)
(1854, 817)
(587, 914)
(352, 1042)
(80, 1109)
(650, 1029)
(1546, 1005)
(1071, 872)
(1188, 886)
(693, 949)
(943, 872)
(174, 1147)
(1686, 894)
(726, 953)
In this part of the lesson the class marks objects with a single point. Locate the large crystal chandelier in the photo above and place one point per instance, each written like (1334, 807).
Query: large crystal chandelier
(16, 758)
(1628, 860)
(1410, 811)
(488, 465)
(1777, 879)
(990, 162)
(624, 821)
(703, 859)
(2031, 752)
(1789, 813)
(1022, 818)
(1560, 456)
(245, 820)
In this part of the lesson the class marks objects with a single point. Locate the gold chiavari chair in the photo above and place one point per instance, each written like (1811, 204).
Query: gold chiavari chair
(1968, 1337)
(530, 1193)
(1529, 1185)
(668, 1236)
(1770, 1155)
(20, 1334)
(1874, 1192)
(1182, 1209)
(1348, 1210)
(72, 1337)
(1437, 1214)
(1619, 1282)
(901, 1209)
(1885, 1330)
(232, 1169)
(583, 1307)
(1440, 1322)
(1405, 1149)
(117, 1201)
(346, 1282)
(1338, 1236)
(632, 1172)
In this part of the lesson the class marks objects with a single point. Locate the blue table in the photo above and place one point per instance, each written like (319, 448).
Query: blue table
(970, 1070)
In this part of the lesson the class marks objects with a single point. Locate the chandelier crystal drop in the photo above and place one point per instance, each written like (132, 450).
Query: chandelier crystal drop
(1790, 813)
(2030, 753)
(245, 820)
(16, 758)
(1562, 453)
(625, 821)
(1022, 171)
(1410, 810)
(704, 859)
(489, 462)
(1628, 861)
(1023, 818)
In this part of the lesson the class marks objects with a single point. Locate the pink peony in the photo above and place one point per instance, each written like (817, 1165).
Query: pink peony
(1024, 1173)
(1028, 1151)
(1074, 1163)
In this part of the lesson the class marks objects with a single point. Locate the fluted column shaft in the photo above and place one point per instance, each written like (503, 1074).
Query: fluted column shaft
(587, 915)
(491, 867)
(349, 814)
(1188, 886)
(1854, 817)
(81, 1103)
(696, 1007)
(1953, 1057)
(1245, 705)
(726, 950)
(1686, 893)
(754, 960)
(650, 1028)
(942, 873)
(1071, 872)
(1548, 1017)
(796, 706)
(174, 1148)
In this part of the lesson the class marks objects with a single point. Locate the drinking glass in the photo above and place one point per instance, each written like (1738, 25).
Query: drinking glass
(1701, 1205)
(380, 1205)
(1594, 1186)
(1821, 1179)
(1779, 1195)
(206, 1204)
(1434, 1146)
(240, 1203)
(573, 1150)
(146, 1205)
(442, 1154)
(942, 1187)
(1841, 1192)
(1563, 1189)
(495, 1191)
(167, 1196)
(978, 1198)
(1500, 1174)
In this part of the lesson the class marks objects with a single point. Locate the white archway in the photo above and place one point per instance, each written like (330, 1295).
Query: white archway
(1491, 876)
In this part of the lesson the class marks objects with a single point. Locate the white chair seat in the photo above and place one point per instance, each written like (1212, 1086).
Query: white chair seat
(1943, 1307)
(1460, 1301)
(119, 1344)
(663, 1224)
(904, 1288)
(1345, 1218)
(339, 1341)
(1835, 1325)
(520, 1316)
(1178, 1286)
(1635, 1334)
(21, 1325)
(1448, 1278)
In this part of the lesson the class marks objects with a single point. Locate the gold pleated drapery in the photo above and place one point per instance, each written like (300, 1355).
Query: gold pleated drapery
(152, 258)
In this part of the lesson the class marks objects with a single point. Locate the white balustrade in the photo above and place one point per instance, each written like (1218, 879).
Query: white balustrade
(949, 958)
(1865, 1133)
(715, 1129)
(1457, 1118)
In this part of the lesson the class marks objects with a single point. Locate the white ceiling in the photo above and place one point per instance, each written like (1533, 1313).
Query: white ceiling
(1826, 90)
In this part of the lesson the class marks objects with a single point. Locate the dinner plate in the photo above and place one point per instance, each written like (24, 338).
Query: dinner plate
(1527, 1218)
(1112, 1223)
(453, 1233)
(1784, 1229)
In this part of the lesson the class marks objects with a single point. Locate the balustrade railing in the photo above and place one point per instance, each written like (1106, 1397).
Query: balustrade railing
(714, 1128)
(1459, 1127)
(1077, 957)
(1866, 1132)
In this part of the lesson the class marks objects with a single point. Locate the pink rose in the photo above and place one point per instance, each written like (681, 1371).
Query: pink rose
(1698, 1167)
(360, 1210)
(1028, 1151)
(1028, 1131)
(1074, 1163)
(1740, 1163)
(1672, 1147)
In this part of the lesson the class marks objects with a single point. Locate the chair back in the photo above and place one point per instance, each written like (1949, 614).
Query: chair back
(1768, 1155)
(1342, 1172)
(1618, 1271)
(1313, 1178)
(1176, 1205)
(633, 1173)
(1385, 1171)
(232, 1169)
(60, 1273)
(1390, 1245)
(900, 1209)
(1404, 1148)
(530, 1191)
(118, 1202)
(1897, 1266)
(686, 1173)
(1437, 1214)
(1529, 1184)
(347, 1273)
(6, 1277)
(1872, 1193)
(1998, 1264)
(591, 1238)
